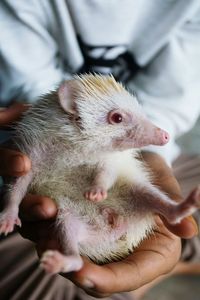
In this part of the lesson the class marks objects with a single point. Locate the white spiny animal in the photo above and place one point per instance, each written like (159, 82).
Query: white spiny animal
(83, 142)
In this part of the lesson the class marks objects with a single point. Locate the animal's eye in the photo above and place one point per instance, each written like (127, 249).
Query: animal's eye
(115, 118)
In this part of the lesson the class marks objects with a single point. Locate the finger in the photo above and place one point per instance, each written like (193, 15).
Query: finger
(12, 113)
(35, 208)
(37, 214)
(13, 163)
(186, 229)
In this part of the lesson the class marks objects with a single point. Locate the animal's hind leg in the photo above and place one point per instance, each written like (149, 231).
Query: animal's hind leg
(54, 262)
(70, 260)
(150, 198)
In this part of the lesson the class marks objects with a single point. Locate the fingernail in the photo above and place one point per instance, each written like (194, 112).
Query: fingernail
(192, 220)
(88, 283)
(17, 163)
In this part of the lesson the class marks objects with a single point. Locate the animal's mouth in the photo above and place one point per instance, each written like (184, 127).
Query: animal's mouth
(140, 137)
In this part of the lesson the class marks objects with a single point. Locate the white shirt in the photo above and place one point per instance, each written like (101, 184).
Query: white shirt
(43, 42)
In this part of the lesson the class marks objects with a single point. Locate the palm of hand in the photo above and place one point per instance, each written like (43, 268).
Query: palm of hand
(156, 256)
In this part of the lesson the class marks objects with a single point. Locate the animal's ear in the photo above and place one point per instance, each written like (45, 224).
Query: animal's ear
(66, 95)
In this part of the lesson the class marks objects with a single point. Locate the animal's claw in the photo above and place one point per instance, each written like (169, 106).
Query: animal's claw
(8, 222)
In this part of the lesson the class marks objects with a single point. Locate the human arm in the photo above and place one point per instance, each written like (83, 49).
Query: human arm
(168, 83)
(29, 55)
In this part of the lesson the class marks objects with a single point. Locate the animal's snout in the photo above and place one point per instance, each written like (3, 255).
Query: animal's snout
(162, 136)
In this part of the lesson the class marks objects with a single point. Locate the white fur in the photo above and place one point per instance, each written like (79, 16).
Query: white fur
(66, 156)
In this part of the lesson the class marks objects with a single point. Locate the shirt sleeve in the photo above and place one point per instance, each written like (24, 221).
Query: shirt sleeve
(169, 87)
(29, 56)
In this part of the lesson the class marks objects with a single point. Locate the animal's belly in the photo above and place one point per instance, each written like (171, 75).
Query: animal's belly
(69, 183)
(104, 242)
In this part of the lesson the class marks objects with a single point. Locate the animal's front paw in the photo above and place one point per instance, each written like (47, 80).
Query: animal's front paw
(8, 220)
(96, 194)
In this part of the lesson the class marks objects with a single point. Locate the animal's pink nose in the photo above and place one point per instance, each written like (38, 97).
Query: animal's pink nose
(165, 137)
(150, 134)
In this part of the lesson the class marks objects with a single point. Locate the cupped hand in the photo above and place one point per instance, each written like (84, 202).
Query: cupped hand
(155, 257)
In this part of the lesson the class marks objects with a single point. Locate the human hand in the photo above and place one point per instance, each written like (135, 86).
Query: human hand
(164, 178)
(10, 114)
(155, 257)
(12, 163)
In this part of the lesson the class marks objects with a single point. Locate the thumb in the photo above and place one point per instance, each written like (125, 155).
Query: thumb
(35, 208)
(186, 229)
(12, 113)
(13, 163)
